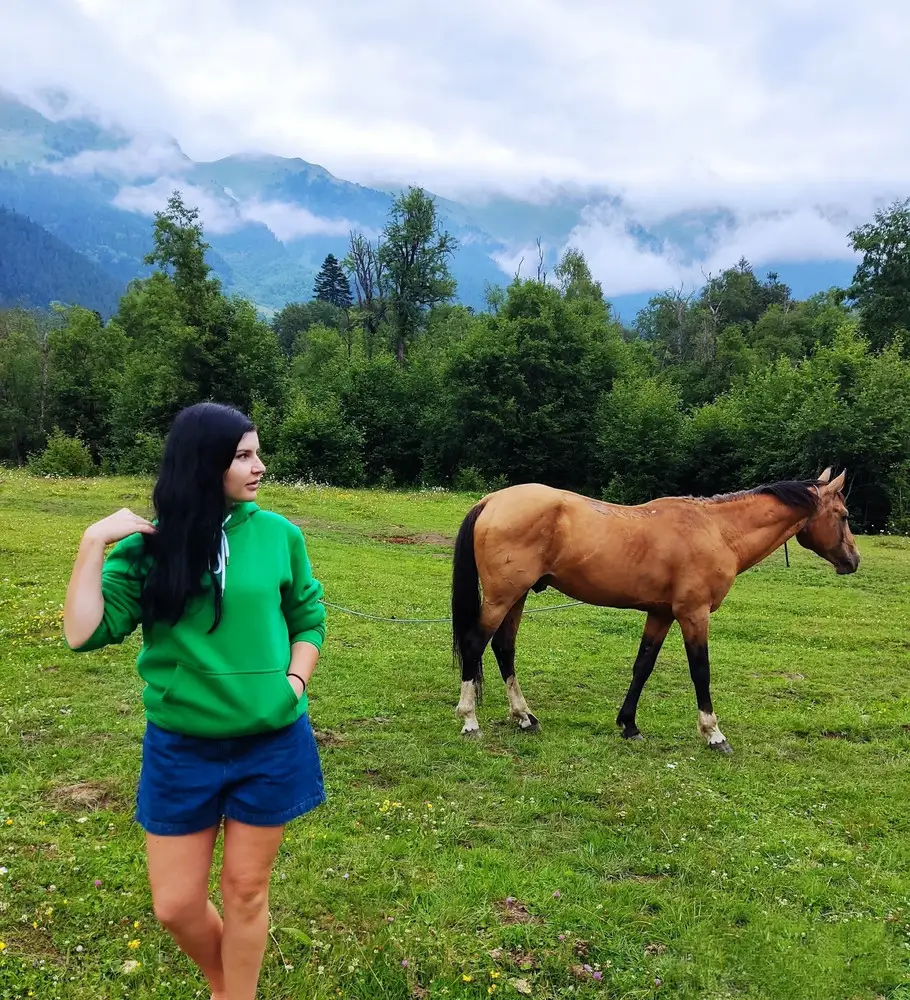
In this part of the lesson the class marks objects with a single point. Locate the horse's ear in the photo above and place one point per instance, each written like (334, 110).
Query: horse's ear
(826, 475)
(837, 485)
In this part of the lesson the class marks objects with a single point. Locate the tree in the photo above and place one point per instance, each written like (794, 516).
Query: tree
(20, 385)
(86, 366)
(364, 263)
(293, 322)
(881, 283)
(385, 402)
(639, 427)
(190, 342)
(316, 443)
(332, 284)
(180, 252)
(517, 392)
(575, 278)
(414, 254)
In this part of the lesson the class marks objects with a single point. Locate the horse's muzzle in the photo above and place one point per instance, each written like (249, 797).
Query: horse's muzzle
(847, 564)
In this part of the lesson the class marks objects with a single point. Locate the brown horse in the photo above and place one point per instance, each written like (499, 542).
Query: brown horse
(674, 558)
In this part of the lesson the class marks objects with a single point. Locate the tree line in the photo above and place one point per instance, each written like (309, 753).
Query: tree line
(381, 379)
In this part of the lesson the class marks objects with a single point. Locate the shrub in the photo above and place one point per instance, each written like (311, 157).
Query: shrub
(64, 456)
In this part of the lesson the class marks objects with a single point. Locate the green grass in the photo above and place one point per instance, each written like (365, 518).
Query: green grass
(780, 872)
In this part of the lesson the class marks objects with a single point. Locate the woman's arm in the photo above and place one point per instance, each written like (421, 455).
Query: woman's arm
(304, 613)
(304, 657)
(86, 608)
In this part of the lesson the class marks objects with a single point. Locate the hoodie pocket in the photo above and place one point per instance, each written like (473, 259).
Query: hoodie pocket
(223, 705)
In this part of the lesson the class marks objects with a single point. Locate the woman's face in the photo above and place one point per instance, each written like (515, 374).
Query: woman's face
(241, 481)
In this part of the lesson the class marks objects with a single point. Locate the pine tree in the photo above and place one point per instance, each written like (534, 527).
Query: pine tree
(332, 284)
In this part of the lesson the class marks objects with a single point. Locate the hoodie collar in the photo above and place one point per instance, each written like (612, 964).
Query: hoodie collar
(238, 514)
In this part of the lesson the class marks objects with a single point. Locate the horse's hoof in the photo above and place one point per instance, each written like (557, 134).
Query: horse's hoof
(723, 747)
(531, 725)
(471, 733)
(632, 736)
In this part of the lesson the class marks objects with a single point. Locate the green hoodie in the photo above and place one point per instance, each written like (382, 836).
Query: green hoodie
(231, 682)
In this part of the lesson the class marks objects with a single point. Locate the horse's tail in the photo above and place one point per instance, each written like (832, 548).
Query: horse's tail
(466, 594)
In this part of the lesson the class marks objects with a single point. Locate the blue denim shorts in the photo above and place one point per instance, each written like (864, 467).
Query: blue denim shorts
(188, 783)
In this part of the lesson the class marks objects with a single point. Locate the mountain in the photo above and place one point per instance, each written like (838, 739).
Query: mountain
(271, 220)
(36, 269)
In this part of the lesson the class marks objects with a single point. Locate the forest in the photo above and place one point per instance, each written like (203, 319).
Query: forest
(382, 379)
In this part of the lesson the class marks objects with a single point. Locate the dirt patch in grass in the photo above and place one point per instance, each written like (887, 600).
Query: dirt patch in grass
(329, 738)
(423, 538)
(84, 795)
(378, 778)
(513, 911)
(33, 943)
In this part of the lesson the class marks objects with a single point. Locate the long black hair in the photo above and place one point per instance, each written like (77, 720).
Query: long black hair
(190, 506)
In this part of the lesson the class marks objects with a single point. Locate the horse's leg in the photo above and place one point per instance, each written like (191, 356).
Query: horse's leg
(504, 648)
(695, 633)
(492, 613)
(656, 629)
(472, 679)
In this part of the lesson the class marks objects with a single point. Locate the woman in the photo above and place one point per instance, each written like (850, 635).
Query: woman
(232, 629)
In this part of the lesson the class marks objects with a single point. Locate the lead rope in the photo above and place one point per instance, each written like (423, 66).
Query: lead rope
(433, 621)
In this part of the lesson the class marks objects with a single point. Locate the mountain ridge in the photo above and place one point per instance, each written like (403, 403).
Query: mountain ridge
(271, 220)
(37, 268)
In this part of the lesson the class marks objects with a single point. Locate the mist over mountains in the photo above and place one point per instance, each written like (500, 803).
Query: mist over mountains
(271, 221)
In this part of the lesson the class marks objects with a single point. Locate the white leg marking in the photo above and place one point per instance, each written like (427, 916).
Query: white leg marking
(707, 727)
(518, 707)
(465, 709)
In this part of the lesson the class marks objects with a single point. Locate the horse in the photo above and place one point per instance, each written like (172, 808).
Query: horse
(674, 558)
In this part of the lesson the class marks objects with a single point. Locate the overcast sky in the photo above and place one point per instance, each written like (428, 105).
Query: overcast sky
(800, 106)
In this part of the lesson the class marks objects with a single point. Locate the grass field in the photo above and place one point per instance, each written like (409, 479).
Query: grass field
(566, 863)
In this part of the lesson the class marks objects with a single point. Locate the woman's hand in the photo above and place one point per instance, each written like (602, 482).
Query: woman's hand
(297, 684)
(117, 527)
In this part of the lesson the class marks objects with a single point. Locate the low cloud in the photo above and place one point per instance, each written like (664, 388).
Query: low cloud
(224, 214)
(218, 215)
(290, 222)
(143, 157)
(626, 263)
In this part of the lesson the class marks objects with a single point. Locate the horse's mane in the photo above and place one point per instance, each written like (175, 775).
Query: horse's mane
(796, 493)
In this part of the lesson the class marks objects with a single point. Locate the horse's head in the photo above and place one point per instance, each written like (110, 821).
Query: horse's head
(827, 532)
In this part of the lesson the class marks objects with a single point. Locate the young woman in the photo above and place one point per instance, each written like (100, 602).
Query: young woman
(232, 629)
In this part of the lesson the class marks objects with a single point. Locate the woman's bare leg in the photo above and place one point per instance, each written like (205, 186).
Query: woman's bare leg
(249, 852)
(179, 877)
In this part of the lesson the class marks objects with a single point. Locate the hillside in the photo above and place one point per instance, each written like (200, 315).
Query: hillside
(37, 268)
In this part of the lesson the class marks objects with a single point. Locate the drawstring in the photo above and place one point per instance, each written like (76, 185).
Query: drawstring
(224, 555)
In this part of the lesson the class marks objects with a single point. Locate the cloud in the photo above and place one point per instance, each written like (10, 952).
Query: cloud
(625, 263)
(618, 259)
(784, 237)
(696, 100)
(58, 45)
(143, 157)
(290, 222)
(783, 117)
(220, 214)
